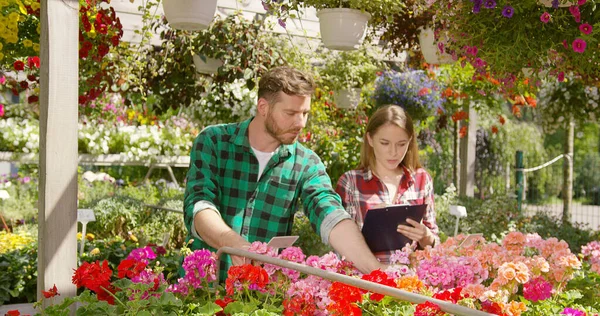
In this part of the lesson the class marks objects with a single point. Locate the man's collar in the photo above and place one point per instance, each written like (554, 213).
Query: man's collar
(241, 138)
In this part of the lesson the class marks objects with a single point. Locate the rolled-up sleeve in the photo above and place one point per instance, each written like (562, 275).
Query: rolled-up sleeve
(322, 205)
(202, 185)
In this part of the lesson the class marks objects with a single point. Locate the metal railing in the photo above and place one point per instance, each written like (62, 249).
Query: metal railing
(365, 285)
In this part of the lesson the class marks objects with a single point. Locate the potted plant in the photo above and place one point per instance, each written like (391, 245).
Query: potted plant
(346, 73)
(343, 23)
(413, 90)
(502, 36)
(413, 29)
(190, 15)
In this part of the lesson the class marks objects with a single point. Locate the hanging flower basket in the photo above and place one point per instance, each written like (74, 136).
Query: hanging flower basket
(342, 28)
(190, 15)
(347, 98)
(209, 67)
(548, 3)
(431, 52)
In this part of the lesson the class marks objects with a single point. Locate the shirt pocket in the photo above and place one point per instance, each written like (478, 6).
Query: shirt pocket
(283, 191)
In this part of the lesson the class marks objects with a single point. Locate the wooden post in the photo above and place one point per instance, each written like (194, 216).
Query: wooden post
(57, 236)
(467, 156)
(519, 179)
(456, 157)
(568, 172)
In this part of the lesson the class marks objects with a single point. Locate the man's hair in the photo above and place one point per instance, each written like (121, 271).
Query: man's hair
(284, 78)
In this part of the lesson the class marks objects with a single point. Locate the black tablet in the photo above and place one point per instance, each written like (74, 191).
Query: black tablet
(380, 227)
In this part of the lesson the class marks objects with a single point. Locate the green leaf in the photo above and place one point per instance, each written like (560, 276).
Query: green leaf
(210, 308)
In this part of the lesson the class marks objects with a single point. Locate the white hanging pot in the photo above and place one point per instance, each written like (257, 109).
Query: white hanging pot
(342, 28)
(347, 98)
(189, 15)
(548, 3)
(209, 67)
(430, 50)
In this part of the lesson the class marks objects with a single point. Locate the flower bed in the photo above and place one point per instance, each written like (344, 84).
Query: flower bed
(521, 275)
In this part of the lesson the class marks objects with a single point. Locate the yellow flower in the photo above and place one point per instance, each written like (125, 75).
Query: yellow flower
(95, 251)
(27, 43)
(35, 6)
(38, 29)
(89, 236)
(36, 47)
(13, 17)
(130, 115)
(3, 3)
(1, 46)
(133, 238)
(140, 118)
(78, 236)
(1, 56)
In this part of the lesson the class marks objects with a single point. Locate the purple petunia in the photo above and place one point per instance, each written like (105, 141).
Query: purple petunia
(508, 11)
(489, 4)
(555, 4)
(579, 45)
(476, 5)
(545, 17)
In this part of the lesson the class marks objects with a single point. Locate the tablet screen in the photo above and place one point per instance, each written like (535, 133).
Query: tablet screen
(380, 227)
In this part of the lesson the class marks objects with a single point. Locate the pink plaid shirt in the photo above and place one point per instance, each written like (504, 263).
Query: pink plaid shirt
(361, 191)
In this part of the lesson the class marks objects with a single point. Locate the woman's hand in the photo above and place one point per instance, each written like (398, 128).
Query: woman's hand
(417, 232)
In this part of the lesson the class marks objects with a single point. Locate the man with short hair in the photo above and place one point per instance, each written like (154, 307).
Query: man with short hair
(245, 179)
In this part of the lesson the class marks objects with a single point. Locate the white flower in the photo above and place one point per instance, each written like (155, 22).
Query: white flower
(4, 195)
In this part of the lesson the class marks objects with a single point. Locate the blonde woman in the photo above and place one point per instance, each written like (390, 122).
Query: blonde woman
(390, 173)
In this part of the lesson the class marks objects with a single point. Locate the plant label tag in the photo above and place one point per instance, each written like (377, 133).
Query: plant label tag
(85, 215)
(166, 237)
(471, 239)
(282, 241)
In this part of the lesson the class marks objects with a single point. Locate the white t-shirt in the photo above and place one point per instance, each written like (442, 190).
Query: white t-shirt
(263, 159)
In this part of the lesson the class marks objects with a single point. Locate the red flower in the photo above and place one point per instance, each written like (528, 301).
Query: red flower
(13, 312)
(494, 129)
(114, 40)
(31, 78)
(105, 293)
(380, 277)
(33, 62)
(248, 276)
(341, 292)
(459, 116)
(93, 276)
(531, 101)
(130, 268)
(103, 50)
(450, 295)
(33, 99)
(299, 305)
(516, 110)
(51, 292)
(19, 65)
(424, 91)
(428, 309)
(491, 307)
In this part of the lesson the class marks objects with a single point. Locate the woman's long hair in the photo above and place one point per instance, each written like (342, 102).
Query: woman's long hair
(396, 115)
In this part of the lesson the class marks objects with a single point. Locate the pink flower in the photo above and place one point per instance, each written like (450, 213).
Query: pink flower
(575, 13)
(579, 45)
(537, 289)
(545, 17)
(1, 110)
(2, 80)
(581, 2)
(585, 28)
(565, 44)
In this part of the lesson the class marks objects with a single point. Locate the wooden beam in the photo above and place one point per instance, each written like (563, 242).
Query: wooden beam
(468, 146)
(57, 236)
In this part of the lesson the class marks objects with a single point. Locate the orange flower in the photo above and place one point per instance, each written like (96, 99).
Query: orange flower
(447, 93)
(519, 100)
(501, 119)
(459, 116)
(410, 283)
(516, 111)
(515, 308)
(494, 129)
(531, 101)
(462, 132)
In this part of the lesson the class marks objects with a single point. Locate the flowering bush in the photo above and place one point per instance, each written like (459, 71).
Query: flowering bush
(418, 94)
(506, 36)
(99, 31)
(524, 275)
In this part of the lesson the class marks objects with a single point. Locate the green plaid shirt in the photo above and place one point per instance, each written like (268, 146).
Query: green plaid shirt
(224, 173)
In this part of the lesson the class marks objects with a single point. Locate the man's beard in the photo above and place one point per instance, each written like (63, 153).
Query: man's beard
(279, 133)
